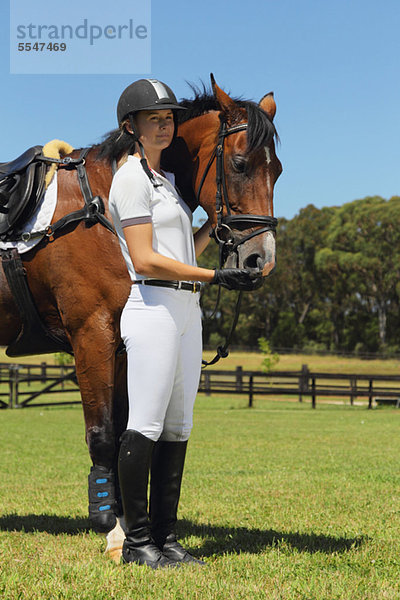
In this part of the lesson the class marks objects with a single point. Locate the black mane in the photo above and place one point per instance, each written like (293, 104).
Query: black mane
(114, 145)
(260, 129)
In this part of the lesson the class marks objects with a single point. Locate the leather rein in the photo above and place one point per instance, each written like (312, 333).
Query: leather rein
(229, 223)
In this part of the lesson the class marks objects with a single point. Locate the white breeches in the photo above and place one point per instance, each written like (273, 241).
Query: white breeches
(161, 329)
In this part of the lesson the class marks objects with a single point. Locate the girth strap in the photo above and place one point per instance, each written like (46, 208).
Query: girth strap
(34, 337)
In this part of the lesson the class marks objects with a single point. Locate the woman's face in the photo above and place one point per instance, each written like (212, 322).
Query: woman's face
(155, 128)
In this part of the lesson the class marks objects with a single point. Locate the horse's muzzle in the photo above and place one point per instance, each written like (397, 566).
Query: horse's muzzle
(257, 253)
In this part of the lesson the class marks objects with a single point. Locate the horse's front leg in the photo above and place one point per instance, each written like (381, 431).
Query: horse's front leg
(94, 348)
(115, 538)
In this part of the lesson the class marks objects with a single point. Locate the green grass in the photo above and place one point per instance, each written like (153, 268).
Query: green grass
(27, 360)
(281, 501)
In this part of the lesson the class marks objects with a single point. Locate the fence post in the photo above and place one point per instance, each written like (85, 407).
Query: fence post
(11, 387)
(313, 393)
(370, 393)
(250, 391)
(303, 381)
(353, 389)
(207, 383)
(43, 369)
(13, 383)
(239, 379)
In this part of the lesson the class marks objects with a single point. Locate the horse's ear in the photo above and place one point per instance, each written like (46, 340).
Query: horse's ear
(267, 103)
(226, 103)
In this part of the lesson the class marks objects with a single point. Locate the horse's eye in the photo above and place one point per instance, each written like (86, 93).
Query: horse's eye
(239, 163)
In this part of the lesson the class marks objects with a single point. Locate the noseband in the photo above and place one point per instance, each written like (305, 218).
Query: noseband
(230, 222)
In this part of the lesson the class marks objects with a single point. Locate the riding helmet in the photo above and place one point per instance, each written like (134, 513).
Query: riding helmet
(146, 94)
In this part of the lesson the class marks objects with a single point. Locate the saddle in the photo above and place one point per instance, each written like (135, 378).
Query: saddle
(22, 185)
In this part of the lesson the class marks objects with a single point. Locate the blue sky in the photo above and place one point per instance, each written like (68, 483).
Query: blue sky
(333, 66)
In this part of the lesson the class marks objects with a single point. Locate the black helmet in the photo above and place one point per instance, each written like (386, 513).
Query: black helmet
(146, 94)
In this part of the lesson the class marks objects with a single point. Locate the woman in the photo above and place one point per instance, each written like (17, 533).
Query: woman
(160, 324)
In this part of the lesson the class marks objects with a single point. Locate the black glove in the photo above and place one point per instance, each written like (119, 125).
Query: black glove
(238, 279)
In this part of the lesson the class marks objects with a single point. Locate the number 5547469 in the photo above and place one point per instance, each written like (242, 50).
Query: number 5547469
(42, 46)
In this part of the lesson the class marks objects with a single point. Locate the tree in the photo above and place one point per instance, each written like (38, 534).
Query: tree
(363, 248)
(336, 284)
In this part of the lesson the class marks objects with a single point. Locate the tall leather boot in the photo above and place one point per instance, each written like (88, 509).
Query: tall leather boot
(133, 469)
(165, 487)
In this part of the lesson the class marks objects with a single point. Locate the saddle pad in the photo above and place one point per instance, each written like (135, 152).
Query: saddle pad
(40, 219)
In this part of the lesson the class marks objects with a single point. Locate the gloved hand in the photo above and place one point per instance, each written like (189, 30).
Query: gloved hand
(238, 279)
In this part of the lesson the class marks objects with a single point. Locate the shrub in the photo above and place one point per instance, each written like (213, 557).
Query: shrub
(270, 358)
(63, 358)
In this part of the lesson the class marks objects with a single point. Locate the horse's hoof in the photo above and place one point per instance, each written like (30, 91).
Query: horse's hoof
(114, 554)
(115, 541)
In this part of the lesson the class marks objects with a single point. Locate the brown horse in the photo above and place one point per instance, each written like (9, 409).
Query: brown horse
(79, 280)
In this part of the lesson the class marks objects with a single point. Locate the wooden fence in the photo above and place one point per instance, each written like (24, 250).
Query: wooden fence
(383, 389)
(22, 384)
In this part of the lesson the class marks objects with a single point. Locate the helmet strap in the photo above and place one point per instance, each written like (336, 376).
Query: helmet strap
(143, 160)
(133, 128)
(145, 166)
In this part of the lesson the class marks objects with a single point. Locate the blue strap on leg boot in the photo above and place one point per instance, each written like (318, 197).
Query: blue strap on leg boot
(165, 488)
(102, 503)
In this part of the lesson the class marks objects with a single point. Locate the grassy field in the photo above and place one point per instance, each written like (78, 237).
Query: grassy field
(282, 502)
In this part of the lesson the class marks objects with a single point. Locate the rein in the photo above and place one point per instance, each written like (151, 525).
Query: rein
(228, 223)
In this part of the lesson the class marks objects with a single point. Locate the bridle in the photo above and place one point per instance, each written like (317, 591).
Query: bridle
(229, 223)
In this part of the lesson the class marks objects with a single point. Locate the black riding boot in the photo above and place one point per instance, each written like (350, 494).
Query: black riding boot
(165, 488)
(133, 469)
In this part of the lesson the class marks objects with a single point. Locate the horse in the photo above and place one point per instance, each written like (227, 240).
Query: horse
(224, 159)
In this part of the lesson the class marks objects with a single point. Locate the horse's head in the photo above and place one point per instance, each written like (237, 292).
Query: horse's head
(231, 145)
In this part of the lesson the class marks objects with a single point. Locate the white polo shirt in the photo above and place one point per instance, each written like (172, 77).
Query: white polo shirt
(134, 200)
